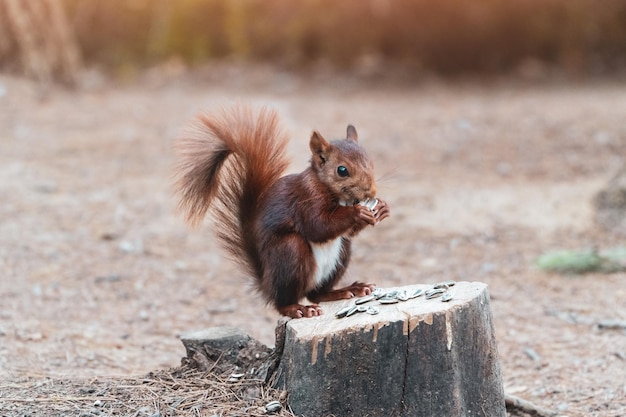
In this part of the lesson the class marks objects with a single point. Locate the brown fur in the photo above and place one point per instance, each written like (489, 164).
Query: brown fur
(233, 165)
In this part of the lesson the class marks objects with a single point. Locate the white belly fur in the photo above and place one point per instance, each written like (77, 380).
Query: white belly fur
(327, 257)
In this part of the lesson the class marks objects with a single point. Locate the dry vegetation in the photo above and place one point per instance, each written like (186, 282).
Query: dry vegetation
(163, 394)
(443, 37)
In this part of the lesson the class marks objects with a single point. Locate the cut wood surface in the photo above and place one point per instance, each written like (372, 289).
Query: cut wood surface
(415, 358)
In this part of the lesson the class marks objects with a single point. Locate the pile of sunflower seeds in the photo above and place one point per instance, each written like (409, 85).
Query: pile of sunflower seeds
(383, 297)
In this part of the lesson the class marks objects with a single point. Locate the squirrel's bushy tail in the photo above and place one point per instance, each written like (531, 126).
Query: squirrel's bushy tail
(226, 163)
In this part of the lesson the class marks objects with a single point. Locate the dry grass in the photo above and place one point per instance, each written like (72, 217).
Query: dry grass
(446, 37)
(177, 392)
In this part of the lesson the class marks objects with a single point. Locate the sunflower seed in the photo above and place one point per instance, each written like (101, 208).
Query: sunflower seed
(392, 294)
(342, 313)
(402, 296)
(365, 299)
(445, 284)
(388, 300)
(378, 292)
(370, 203)
(353, 309)
(273, 406)
(434, 292)
(446, 297)
(416, 293)
(373, 310)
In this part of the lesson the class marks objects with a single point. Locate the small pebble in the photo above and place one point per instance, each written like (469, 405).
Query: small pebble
(108, 278)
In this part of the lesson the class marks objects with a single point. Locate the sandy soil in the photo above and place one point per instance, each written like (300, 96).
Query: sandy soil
(99, 276)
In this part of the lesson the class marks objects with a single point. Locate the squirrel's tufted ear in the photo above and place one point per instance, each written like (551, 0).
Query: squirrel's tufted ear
(319, 148)
(352, 135)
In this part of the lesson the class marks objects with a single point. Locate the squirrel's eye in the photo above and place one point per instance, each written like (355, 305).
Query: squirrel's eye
(342, 171)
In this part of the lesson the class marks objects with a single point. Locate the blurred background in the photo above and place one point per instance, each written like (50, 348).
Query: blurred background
(528, 37)
(497, 128)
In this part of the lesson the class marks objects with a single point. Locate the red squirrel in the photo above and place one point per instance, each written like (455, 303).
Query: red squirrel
(292, 233)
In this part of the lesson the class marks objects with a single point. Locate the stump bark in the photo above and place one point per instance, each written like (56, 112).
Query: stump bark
(418, 358)
(227, 350)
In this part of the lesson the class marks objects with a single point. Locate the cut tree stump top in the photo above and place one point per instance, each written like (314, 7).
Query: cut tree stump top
(412, 312)
(417, 358)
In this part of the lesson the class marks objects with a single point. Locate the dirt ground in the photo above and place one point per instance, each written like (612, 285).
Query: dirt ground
(99, 277)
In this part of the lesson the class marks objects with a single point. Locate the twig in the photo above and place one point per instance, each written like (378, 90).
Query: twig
(612, 324)
(514, 404)
(56, 399)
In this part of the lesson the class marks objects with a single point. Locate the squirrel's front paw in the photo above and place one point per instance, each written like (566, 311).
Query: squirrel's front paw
(381, 211)
(366, 215)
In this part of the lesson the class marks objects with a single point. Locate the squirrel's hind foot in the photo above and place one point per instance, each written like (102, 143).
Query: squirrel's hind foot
(298, 311)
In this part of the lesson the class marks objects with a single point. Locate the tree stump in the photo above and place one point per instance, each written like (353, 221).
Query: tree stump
(415, 358)
(227, 350)
(418, 358)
